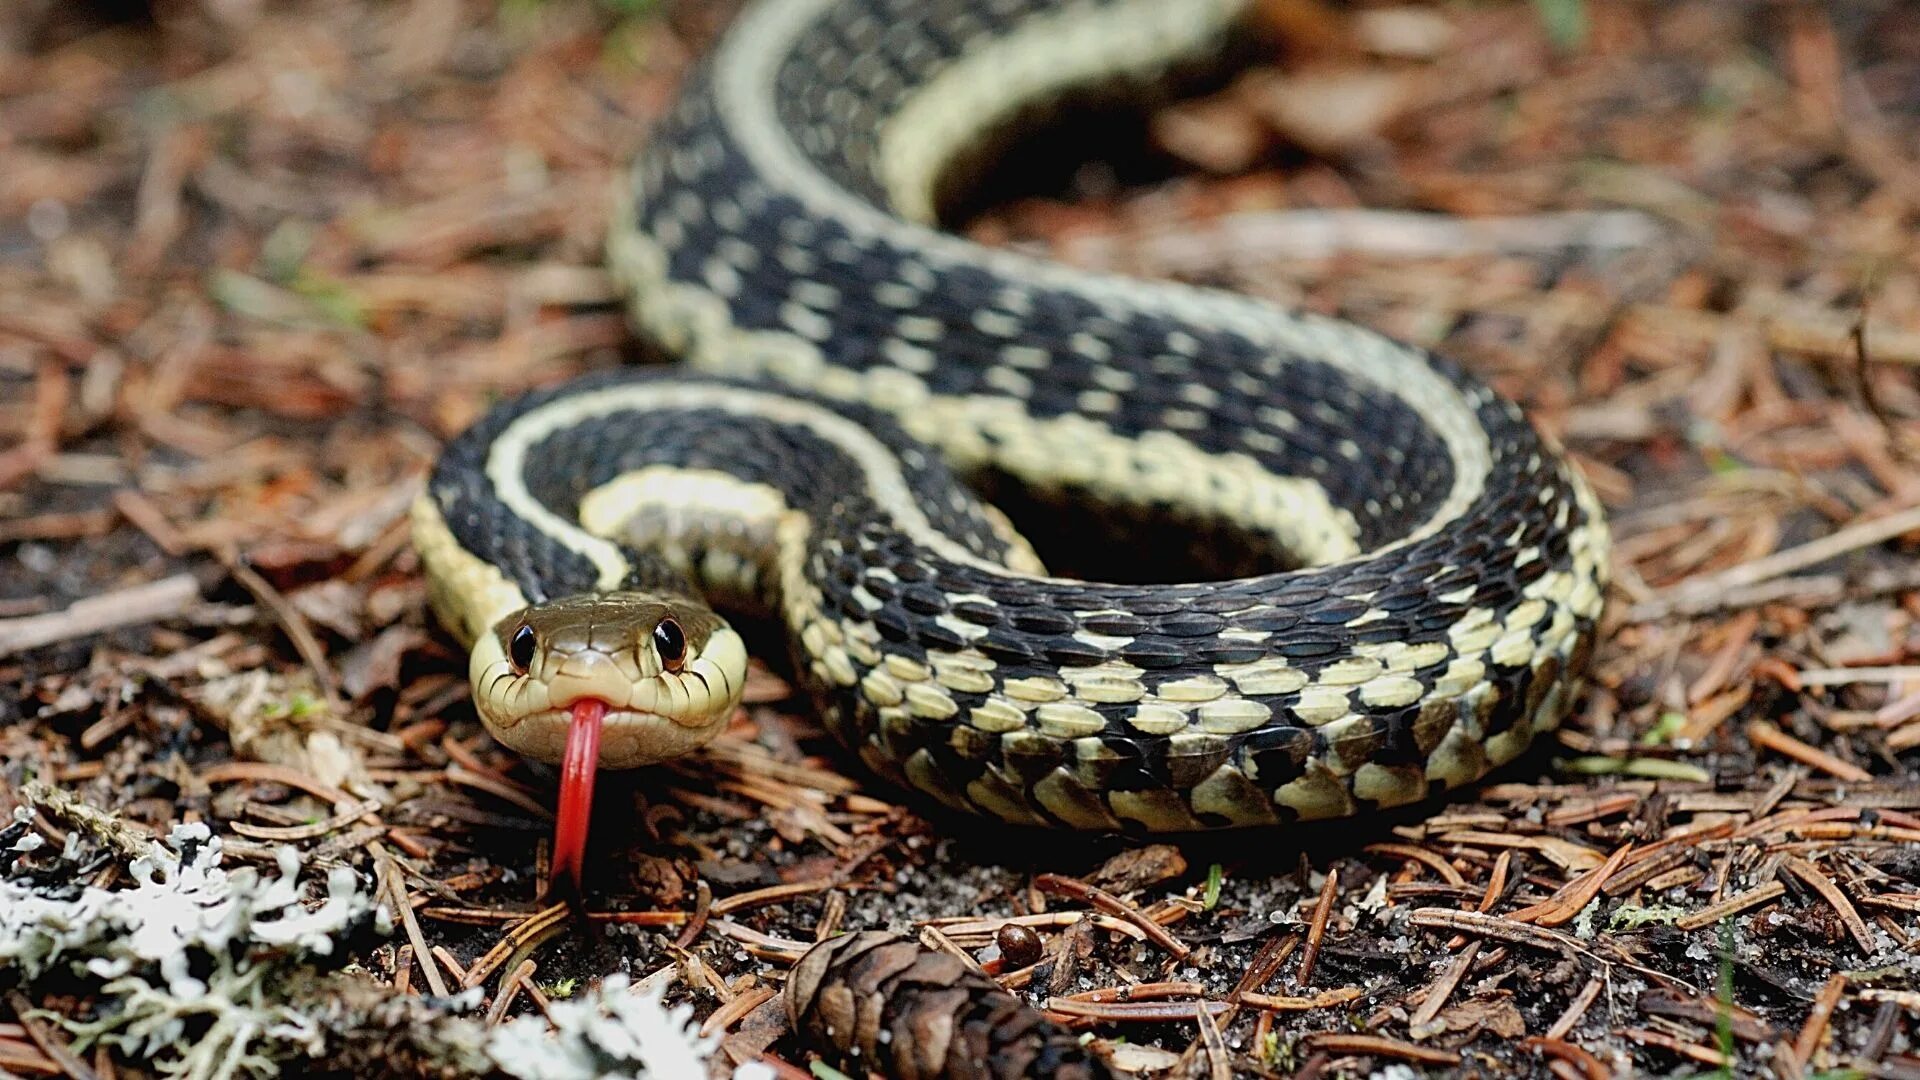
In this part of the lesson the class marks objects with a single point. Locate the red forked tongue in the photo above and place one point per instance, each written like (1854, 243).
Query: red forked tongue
(577, 769)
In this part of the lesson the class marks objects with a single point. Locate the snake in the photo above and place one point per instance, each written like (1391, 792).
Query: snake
(851, 375)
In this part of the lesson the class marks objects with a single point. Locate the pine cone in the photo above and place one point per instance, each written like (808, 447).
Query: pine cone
(891, 1006)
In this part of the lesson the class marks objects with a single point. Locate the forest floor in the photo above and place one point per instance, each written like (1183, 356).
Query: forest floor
(257, 262)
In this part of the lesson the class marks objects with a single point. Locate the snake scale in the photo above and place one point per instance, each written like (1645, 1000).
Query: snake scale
(847, 364)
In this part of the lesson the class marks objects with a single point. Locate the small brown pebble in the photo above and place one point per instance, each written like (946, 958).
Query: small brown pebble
(1019, 946)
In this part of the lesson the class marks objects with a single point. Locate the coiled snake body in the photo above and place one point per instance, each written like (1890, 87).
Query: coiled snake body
(778, 235)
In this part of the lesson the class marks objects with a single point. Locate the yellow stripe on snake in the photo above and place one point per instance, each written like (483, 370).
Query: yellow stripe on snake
(847, 365)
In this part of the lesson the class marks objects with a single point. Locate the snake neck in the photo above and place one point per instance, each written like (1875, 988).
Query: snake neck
(648, 481)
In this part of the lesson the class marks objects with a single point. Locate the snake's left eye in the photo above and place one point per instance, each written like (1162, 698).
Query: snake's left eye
(671, 642)
(520, 649)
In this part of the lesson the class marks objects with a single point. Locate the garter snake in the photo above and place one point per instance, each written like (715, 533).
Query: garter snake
(847, 363)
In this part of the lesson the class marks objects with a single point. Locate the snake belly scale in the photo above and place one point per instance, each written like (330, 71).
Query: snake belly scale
(847, 364)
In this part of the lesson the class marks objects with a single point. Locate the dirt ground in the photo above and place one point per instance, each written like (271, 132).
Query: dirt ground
(258, 261)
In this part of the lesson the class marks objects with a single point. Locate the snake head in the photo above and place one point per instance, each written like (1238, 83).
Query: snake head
(668, 670)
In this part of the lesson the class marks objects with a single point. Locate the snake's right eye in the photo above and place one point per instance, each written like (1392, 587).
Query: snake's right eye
(671, 642)
(520, 649)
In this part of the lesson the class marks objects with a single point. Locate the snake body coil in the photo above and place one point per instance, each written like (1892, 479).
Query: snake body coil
(778, 235)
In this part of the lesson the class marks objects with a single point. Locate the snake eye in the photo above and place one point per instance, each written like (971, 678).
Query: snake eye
(671, 642)
(520, 649)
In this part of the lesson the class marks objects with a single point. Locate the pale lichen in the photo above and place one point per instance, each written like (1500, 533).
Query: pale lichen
(206, 973)
(608, 1033)
(188, 961)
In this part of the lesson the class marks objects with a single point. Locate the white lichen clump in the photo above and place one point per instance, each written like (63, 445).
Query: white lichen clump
(208, 974)
(187, 957)
(609, 1033)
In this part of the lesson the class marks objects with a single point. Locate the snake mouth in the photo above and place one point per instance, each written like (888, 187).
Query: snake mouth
(629, 738)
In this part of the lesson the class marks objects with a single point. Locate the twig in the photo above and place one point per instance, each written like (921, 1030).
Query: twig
(140, 511)
(450, 962)
(964, 926)
(1432, 860)
(1496, 888)
(1869, 396)
(57, 526)
(499, 788)
(1272, 953)
(1823, 1005)
(1442, 989)
(135, 606)
(1496, 881)
(1781, 787)
(1701, 594)
(397, 895)
(49, 1042)
(51, 391)
(1317, 927)
(1708, 1011)
(1140, 992)
(765, 946)
(291, 621)
(1563, 905)
(1326, 999)
(509, 990)
(1812, 591)
(1059, 885)
(1219, 1063)
(495, 916)
(532, 929)
(1763, 734)
(1320, 234)
(932, 938)
(1835, 899)
(1377, 1046)
(725, 1016)
(702, 910)
(1703, 1055)
(1848, 676)
(772, 894)
(313, 830)
(1135, 1012)
(1886, 1022)
(1573, 1055)
(1907, 999)
(20, 1056)
(1472, 922)
(1732, 905)
(268, 773)
(1577, 1008)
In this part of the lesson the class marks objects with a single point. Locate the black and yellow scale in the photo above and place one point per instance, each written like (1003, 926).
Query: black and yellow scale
(847, 363)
